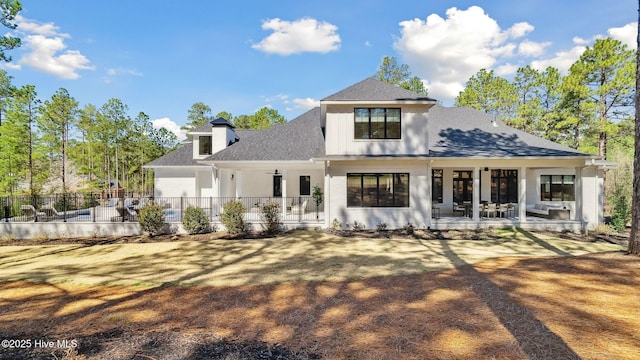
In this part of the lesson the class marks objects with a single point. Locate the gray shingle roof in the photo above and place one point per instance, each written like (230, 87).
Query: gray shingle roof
(299, 139)
(375, 90)
(182, 156)
(465, 132)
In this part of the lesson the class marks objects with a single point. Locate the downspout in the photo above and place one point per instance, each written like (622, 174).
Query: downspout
(327, 195)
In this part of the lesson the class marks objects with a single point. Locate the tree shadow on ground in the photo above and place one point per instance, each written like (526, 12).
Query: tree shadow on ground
(533, 336)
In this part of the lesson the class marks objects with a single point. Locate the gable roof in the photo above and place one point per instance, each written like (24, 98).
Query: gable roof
(299, 139)
(466, 132)
(375, 90)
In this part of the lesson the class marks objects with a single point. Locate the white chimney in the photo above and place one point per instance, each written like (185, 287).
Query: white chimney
(223, 134)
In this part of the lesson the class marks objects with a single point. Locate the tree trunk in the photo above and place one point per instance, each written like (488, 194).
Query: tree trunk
(634, 239)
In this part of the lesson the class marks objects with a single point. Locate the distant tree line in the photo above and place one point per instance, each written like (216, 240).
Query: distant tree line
(42, 141)
(590, 109)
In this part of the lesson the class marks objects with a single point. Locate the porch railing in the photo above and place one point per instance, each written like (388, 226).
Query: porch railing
(76, 207)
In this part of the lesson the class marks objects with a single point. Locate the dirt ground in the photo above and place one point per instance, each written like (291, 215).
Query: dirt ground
(576, 307)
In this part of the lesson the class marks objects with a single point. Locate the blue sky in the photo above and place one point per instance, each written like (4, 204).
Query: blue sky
(160, 56)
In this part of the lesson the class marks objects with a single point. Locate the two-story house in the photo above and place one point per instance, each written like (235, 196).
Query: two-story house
(383, 154)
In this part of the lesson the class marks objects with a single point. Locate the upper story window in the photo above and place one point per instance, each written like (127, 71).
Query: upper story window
(205, 145)
(377, 123)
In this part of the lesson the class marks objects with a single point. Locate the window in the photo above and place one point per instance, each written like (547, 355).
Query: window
(205, 145)
(378, 190)
(462, 186)
(557, 187)
(377, 123)
(277, 185)
(305, 185)
(436, 185)
(504, 186)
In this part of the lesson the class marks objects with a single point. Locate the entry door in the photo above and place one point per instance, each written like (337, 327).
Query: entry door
(277, 185)
(462, 186)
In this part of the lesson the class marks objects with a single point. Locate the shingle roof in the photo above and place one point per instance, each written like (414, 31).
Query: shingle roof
(182, 156)
(299, 139)
(465, 132)
(375, 90)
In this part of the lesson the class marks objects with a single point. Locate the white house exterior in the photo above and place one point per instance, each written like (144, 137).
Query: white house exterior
(383, 154)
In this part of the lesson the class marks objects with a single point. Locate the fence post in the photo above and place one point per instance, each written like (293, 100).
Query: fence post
(7, 211)
(122, 206)
(181, 207)
(64, 207)
(210, 208)
(95, 207)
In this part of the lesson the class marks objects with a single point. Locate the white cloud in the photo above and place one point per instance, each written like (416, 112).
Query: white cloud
(33, 27)
(506, 69)
(561, 61)
(306, 103)
(47, 51)
(447, 52)
(626, 34)
(303, 35)
(532, 48)
(519, 30)
(113, 72)
(171, 126)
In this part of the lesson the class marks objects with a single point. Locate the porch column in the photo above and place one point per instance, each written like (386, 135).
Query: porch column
(429, 192)
(522, 198)
(284, 194)
(327, 194)
(579, 215)
(476, 194)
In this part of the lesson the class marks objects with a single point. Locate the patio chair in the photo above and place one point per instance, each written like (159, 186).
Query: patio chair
(126, 213)
(30, 213)
(52, 213)
(459, 209)
(490, 209)
(502, 210)
(299, 209)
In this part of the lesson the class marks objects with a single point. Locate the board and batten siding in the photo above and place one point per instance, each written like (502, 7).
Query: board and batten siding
(340, 132)
(394, 217)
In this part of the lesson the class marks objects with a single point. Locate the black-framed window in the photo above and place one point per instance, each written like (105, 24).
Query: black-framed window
(557, 187)
(377, 123)
(205, 145)
(437, 185)
(277, 185)
(462, 186)
(378, 190)
(504, 186)
(305, 185)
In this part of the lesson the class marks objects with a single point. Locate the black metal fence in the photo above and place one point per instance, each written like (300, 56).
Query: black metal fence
(77, 207)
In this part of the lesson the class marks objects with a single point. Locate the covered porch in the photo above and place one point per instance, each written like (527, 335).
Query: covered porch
(551, 194)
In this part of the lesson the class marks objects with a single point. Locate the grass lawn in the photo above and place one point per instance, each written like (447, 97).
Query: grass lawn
(512, 295)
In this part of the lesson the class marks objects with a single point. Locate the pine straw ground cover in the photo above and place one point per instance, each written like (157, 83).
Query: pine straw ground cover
(549, 307)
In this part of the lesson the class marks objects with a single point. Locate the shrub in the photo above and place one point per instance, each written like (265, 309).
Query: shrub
(356, 226)
(89, 201)
(381, 227)
(195, 221)
(232, 217)
(152, 220)
(336, 225)
(621, 210)
(65, 202)
(271, 218)
(408, 229)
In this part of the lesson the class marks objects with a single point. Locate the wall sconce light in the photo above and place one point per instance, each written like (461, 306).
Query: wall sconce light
(486, 169)
(232, 176)
(276, 172)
